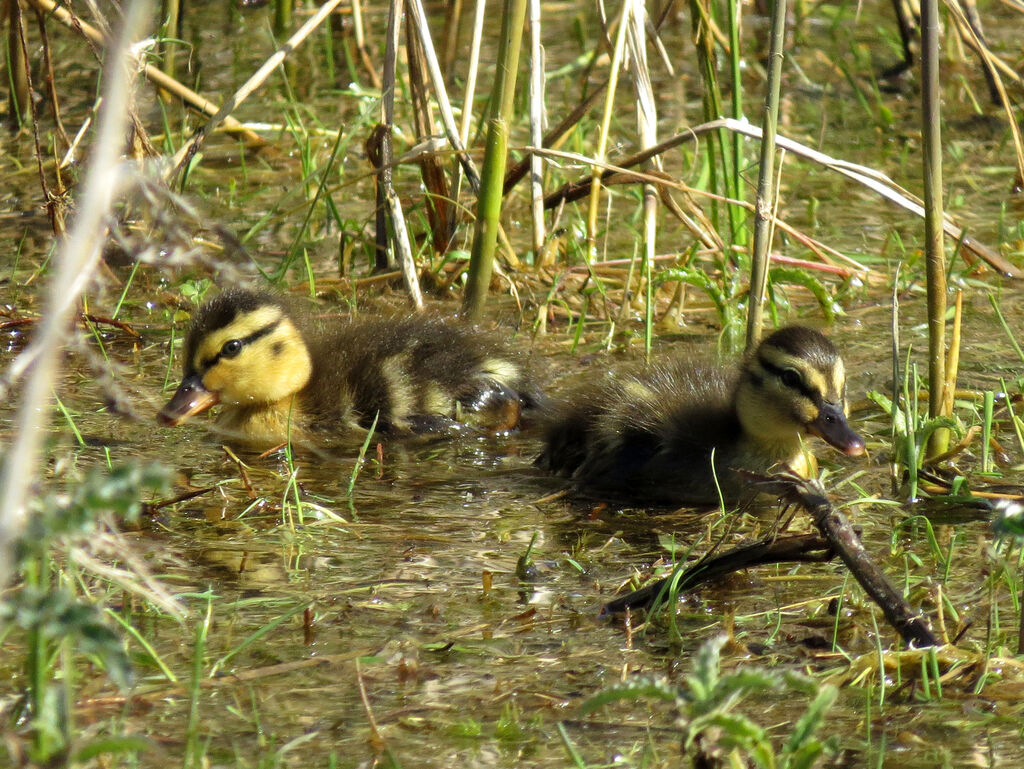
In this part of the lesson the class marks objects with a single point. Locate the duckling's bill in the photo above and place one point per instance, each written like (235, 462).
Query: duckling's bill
(831, 426)
(191, 398)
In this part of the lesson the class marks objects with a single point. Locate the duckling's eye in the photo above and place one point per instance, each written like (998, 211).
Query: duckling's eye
(231, 348)
(791, 378)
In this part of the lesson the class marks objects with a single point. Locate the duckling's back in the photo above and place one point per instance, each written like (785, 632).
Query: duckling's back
(413, 373)
(648, 435)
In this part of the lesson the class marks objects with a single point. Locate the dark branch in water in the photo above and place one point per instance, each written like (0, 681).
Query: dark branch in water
(837, 537)
(836, 529)
(801, 548)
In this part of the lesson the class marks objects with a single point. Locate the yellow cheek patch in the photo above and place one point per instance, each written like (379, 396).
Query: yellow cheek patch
(776, 357)
(241, 327)
(268, 369)
(806, 411)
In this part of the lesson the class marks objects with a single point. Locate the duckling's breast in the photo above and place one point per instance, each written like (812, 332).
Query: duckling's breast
(264, 426)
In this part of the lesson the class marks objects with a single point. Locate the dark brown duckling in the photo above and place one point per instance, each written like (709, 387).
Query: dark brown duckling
(676, 433)
(279, 374)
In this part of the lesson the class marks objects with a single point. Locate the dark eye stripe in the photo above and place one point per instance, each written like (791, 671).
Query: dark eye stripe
(806, 391)
(257, 334)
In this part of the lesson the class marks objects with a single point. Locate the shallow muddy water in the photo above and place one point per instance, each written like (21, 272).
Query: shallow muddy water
(394, 625)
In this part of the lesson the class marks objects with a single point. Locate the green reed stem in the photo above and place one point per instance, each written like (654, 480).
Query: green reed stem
(38, 670)
(282, 16)
(765, 193)
(141, 640)
(721, 175)
(1015, 421)
(1002, 322)
(986, 432)
(600, 153)
(362, 457)
(193, 730)
(20, 101)
(70, 420)
(485, 233)
(934, 257)
(170, 11)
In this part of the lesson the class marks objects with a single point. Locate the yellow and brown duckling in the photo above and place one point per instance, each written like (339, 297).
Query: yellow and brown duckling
(279, 374)
(650, 435)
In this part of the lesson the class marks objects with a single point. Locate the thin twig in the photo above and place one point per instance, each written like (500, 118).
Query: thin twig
(874, 180)
(798, 548)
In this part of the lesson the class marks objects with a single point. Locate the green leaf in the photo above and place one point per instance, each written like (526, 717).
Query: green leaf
(829, 307)
(812, 719)
(125, 743)
(639, 688)
(707, 663)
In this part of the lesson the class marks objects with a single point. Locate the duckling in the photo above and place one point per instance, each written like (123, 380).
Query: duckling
(278, 374)
(666, 433)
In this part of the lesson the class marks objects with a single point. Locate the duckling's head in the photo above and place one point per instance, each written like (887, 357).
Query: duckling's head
(242, 349)
(793, 384)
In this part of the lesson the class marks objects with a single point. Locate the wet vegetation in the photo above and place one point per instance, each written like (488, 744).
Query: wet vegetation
(600, 186)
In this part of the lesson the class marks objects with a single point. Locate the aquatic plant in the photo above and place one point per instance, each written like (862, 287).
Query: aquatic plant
(60, 624)
(714, 732)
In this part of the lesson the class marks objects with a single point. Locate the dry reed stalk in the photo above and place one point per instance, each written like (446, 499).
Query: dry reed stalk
(616, 175)
(399, 232)
(467, 100)
(364, 54)
(76, 260)
(419, 18)
(54, 202)
(450, 36)
(471, 72)
(995, 69)
(375, 149)
(554, 138)
(874, 180)
(647, 128)
(51, 79)
(437, 201)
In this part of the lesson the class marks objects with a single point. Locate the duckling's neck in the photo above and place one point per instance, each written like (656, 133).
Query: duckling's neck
(777, 453)
(770, 437)
(264, 424)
